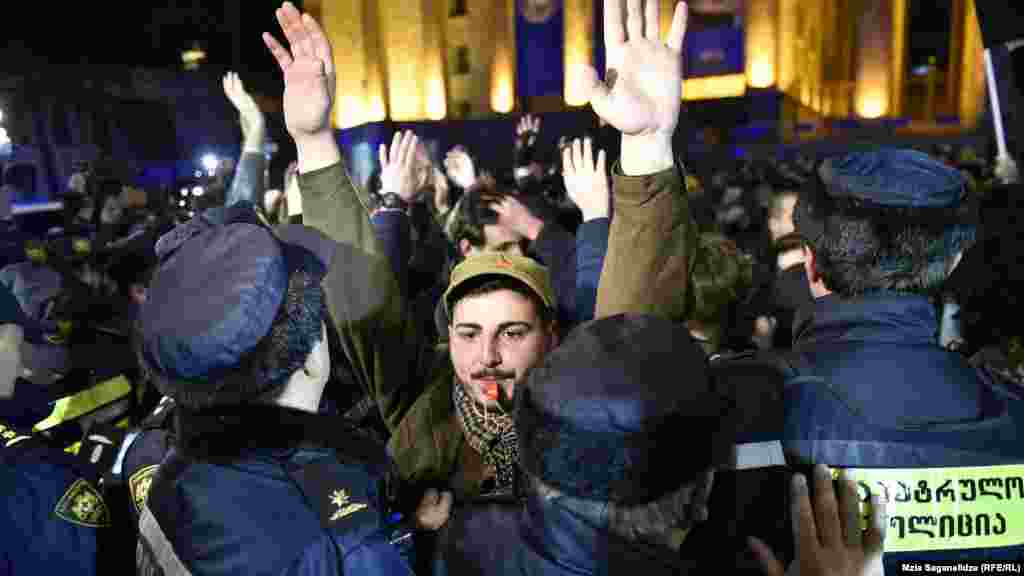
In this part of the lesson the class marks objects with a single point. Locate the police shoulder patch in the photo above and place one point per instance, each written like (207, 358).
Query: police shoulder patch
(10, 436)
(328, 490)
(83, 505)
(139, 484)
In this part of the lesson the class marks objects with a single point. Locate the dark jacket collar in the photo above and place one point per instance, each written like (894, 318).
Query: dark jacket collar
(568, 538)
(225, 433)
(881, 317)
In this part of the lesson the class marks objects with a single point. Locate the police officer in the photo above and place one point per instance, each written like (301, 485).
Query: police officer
(233, 330)
(868, 388)
(52, 513)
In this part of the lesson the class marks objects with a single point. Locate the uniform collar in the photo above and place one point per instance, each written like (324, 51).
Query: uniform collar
(881, 317)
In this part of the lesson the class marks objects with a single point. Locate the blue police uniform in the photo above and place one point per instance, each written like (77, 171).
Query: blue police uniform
(52, 513)
(870, 390)
(306, 496)
(248, 487)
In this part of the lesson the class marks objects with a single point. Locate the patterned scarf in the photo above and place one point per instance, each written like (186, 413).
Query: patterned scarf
(493, 436)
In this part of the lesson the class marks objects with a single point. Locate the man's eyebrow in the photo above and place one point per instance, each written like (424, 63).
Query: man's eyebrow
(502, 326)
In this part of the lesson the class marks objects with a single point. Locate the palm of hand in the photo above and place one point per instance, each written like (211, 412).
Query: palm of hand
(307, 96)
(399, 178)
(460, 169)
(641, 100)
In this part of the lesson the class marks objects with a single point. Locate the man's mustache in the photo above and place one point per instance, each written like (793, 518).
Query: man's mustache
(492, 375)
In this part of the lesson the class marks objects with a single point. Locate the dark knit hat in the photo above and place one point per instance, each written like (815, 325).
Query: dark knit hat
(623, 412)
(234, 307)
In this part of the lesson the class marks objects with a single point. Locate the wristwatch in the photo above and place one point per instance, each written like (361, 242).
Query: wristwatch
(392, 201)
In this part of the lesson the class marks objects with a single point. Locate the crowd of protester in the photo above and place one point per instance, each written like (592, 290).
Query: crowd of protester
(589, 365)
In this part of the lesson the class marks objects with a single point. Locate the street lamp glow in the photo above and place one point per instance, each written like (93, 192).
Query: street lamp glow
(1, 115)
(4, 138)
(181, 203)
(197, 191)
(184, 191)
(210, 162)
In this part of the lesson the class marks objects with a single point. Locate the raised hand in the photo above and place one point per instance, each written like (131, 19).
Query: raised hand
(527, 129)
(398, 166)
(250, 115)
(309, 76)
(514, 215)
(644, 75)
(459, 166)
(586, 181)
(828, 537)
(442, 199)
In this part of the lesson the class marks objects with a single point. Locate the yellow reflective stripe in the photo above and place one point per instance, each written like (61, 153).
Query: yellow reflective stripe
(74, 448)
(71, 407)
(947, 508)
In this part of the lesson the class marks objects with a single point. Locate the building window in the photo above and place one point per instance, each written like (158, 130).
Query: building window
(461, 60)
(458, 9)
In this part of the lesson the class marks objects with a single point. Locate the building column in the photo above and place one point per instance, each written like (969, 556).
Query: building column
(876, 58)
(579, 46)
(503, 64)
(971, 96)
(762, 43)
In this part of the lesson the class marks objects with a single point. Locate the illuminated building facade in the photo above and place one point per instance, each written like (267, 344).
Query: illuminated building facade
(408, 60)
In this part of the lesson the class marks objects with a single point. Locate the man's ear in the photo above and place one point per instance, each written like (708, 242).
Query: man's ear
(810, 266)
(553, 335)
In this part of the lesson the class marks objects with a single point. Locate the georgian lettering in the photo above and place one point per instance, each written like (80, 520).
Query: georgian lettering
(1014, 481)
(904, 494)
(923, 494)
(985, 483)
(898, 523)
(965, 525)
(1000, 527)
(964, 484)
(945, 491)
(924, 521)
(947, 526)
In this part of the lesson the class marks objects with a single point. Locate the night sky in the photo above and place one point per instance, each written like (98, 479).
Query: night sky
(134, 34)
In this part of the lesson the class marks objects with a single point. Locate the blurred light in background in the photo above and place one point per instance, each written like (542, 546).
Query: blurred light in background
(502, 99)
(193, 57)
(730, 86)
(184, 191)
(181, 203)
(210, 162)
(871, 106)
(437, 108)
(197, 191)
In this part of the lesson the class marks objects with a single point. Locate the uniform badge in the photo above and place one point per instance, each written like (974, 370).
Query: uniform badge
(9, 436)
(83, 505)
(343, 506)
(139, 483)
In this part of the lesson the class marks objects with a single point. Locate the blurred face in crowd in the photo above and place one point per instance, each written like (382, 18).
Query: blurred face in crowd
(11, 336)
(424, 167)
(780, 220)
(496, 338)
(497, 238)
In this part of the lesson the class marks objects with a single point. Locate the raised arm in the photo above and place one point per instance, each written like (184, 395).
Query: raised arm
(651, 239)
(248, 184)
(586, 183)
(361, 289)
